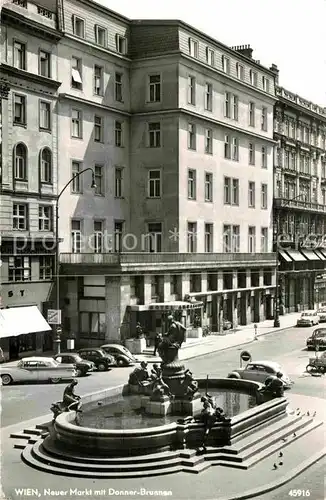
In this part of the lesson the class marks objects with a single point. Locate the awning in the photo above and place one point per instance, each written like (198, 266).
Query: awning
(322, 251)
(295, 255)
(320, 254)
(310, 254)
(168, 306)
(285, 256)
(21, 321)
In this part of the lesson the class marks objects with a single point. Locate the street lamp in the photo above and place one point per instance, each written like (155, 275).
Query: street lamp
(277, 274)
(57, 253)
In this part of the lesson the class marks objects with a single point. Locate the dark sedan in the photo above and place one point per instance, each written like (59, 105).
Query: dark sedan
(317, 339)
(101, 359)
(82, 366)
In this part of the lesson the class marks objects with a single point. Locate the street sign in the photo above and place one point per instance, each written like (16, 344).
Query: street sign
(245, 356)
(54, 316)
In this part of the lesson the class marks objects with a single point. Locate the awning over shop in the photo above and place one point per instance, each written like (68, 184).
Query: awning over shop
(320, 254)
(322, 251)
(310, 254)
(285, 256)
(21, 321)
(168, 306)
(295, 255)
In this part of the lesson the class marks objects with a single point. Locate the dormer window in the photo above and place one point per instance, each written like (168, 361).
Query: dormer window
(226, 64)
(121, 44)
(265, 83)
(193, 48)
(253, 78)
(78, 26)
(210, 56)
(100, 35)
(240, 71)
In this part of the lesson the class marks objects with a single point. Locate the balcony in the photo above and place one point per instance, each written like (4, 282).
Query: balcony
(299, 205)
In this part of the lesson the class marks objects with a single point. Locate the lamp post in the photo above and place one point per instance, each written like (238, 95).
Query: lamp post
(277, 274)
(57, 254)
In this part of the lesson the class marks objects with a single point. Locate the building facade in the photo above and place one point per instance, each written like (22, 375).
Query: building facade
(300, 200)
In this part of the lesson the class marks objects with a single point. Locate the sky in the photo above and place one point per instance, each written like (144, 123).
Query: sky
(288, 33)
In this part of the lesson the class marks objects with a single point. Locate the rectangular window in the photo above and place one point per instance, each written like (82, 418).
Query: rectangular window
(208, 238)
(121, 44)
(264, 119)
(263, 157)
(20, 216)
(118, 135)
(191, 184)
(208, 186)
(93, 325)
(46, 268)
(251, 194)
(264, 240)
(99, 179)
(45, 218)
(154, 132)
(236, 239)
(191, 90)
(19, 269)
(235, 149)
(227, 244)
(235, 107)
(118, 233)
(251, 153)
(100, 35)
(208, 96)
(98, 128)
(154, 88)
(45, 115)
(208, 141)
(154, 184)
(78, 26)
(252, 239)
(76, 124)
(20, 165)
(227, 105)
(154, 240)
(76, 236)
(235, 192)
(191, 136)
(98, 80)
(252, 110)
(227, 190)
(210, 56)
(20, 55)
(76, 185)
(118, 87)
(98, 236)
(226, 64)
(240, 71)
(264, 196)
(253, 76)
(118, 183)
(193, 48)
(19, 109)
(192, 237)
(76, 73)
(265, 82)
(227, 147)
(44, 68)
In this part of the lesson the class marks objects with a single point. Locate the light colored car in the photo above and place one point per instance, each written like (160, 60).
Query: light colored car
(37, 369)
(322, 314)
(308, 318)
(259, 371)
(122, 356)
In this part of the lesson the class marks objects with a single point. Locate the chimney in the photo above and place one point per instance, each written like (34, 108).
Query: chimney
(275, 70)
(245, 50)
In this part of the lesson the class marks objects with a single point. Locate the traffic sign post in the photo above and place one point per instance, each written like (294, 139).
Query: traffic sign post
(244, 356)
(57, 340)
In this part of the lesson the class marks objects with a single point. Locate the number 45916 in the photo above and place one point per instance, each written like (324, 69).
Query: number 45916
(299, 493)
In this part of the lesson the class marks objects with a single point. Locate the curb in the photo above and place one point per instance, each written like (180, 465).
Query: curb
(281, 481)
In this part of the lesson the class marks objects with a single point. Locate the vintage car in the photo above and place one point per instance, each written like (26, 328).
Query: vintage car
(122, 356)
(308, 318)
(259, 371)
(322, 314)
(317, 340)
(82, 365)
(100, 358)
(37, 369)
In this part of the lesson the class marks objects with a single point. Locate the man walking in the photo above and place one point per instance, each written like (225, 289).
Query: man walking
(157, 341)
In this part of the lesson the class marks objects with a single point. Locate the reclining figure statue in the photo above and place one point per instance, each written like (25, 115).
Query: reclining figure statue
(70, 401)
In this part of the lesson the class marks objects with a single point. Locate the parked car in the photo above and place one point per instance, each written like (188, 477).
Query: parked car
(259, 371)
(82, 365)
(308, 318)
(122, 356)
(100, 358)
(322, 314)
(318, 338)
(227, 325)
(37, 369)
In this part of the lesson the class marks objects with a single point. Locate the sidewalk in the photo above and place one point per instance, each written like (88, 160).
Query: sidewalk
(212, 343)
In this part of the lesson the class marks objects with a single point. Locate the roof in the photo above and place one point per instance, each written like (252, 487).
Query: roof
(37, 358)
(270, 364)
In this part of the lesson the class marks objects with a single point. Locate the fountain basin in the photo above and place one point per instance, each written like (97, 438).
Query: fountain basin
(88, 441)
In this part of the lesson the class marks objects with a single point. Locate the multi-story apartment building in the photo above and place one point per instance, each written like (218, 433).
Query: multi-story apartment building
(29, 41)
(300, 199)
(179, 131)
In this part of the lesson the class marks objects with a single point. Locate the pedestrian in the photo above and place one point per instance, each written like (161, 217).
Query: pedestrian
(139, 331)
(157, 341)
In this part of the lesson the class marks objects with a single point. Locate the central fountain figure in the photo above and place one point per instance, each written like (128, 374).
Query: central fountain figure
(171, 342)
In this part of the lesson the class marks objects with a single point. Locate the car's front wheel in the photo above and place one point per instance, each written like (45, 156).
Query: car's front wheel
(55, 380)
(121, 362)
(102, 367)
(6, 379)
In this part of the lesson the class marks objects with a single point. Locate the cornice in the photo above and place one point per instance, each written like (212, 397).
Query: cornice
(27, 194)
(26, 75)
(87, 102)
(32, 27)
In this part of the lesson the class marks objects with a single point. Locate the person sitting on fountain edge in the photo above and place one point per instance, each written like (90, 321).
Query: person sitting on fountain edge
(70, 400)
